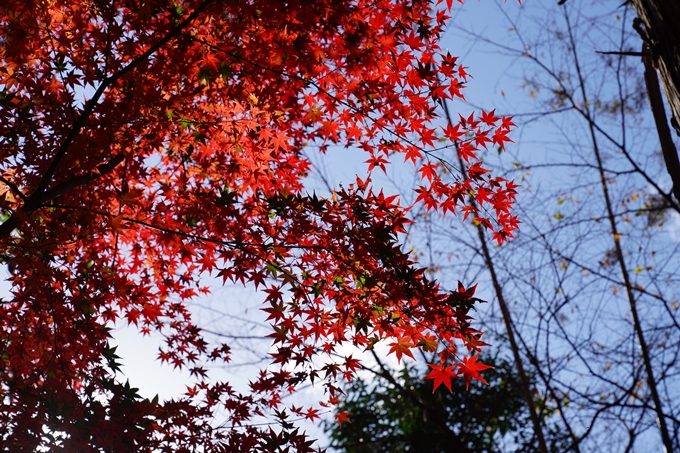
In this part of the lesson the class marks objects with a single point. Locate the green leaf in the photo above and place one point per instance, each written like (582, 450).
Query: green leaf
(273, 268)
(225, 71)
(192, 222)
(227, 197)
(318, 287)
(110, 355)
(184, 122)
(361, 280)
(204, 76)
(178, 9)
(361, 324)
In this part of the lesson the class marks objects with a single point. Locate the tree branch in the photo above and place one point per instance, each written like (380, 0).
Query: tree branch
(35, 200)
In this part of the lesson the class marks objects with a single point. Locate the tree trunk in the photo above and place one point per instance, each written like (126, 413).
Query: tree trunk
(668, 149)
(661, 19)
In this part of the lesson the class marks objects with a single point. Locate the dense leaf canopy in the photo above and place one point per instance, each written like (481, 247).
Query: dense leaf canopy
(401, 413)
(147, 143)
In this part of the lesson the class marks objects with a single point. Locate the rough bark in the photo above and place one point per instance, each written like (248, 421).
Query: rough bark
(668, 149)
(661, 20)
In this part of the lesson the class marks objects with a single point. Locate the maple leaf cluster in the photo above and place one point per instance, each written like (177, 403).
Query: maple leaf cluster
(146, 143)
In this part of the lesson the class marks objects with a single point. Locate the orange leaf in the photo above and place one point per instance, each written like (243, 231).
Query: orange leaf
(402, 346)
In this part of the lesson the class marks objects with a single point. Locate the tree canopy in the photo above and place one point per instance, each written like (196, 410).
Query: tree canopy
(147, 143)
(399, 412)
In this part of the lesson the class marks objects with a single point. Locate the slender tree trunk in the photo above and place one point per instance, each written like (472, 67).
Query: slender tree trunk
(637, 324)
(661, 20)
(524, 380)
(526, 387)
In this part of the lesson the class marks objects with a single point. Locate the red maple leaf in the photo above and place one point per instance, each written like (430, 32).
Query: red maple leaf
(402, 346)
(488, 118)
(312, 414)
(441, 374)
(343, 417)
(470, 369)
(188, 159)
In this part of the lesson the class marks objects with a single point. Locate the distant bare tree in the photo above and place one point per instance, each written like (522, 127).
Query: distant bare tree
(589, 287)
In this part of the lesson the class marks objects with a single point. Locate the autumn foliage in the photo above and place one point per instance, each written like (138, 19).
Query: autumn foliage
(148, 143)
